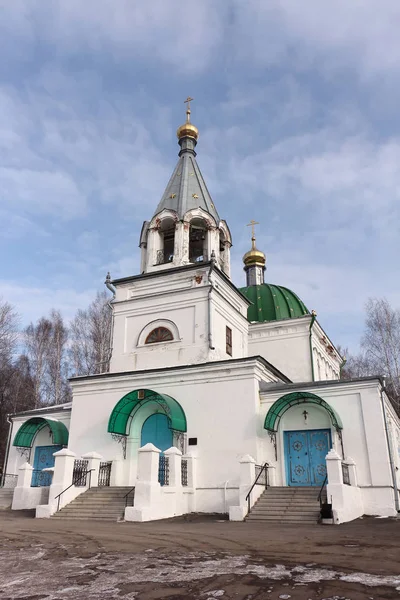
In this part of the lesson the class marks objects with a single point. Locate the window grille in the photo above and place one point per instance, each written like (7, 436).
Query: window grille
(229, 341)
(159, 334)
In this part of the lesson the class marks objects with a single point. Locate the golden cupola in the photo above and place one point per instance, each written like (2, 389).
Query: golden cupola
(188, 129)
(254, 261)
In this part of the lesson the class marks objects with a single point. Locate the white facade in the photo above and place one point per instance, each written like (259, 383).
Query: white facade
(230, 394)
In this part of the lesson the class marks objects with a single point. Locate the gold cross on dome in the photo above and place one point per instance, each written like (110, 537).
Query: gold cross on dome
(188, 111)
(188, 101)
(252, 224)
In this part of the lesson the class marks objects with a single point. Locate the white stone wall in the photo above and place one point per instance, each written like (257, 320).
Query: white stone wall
(220, 403)
(179, 302)
(364, 440)
(285, 344)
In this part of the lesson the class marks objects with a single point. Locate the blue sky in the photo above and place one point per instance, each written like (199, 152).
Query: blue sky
(297, 106)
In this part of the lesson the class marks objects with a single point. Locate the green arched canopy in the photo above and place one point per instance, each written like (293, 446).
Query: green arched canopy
(26, 433)
(126, 408)
(279, 408)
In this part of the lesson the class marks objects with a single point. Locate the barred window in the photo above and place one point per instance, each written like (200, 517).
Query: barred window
(159, 334)
(229, 341)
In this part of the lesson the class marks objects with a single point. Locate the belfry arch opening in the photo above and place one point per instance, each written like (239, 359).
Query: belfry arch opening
(167, 241)
(198, 241)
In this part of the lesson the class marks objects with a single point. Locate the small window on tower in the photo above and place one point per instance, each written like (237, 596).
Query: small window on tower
(159, 334)
(229, 341)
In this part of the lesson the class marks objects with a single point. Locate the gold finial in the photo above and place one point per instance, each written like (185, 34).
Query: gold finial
(188, 111)
(188, 129)
(253, 232)
(254, 257)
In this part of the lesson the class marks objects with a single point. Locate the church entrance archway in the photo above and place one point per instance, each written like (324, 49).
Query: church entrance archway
(305, 453)
(157, 430)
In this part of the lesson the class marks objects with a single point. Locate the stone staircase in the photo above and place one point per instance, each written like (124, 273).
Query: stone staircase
(98, 503)
(6, 497)
(287, 505)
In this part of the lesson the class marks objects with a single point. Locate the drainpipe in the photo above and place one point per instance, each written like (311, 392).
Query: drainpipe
(7, 450)
(313, 317)
(210, 335)
(112, 289)
(392, 467)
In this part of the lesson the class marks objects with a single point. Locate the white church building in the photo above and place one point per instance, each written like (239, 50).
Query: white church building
(219, 399)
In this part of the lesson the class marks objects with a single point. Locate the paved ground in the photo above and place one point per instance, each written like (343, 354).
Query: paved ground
(201, 558)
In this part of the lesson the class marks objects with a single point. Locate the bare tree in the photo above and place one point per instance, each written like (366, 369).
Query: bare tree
(46, 349)
(380, 348)
(381, 344)
(37, 344)
(90, 333)
(57, 365)
(9, 321)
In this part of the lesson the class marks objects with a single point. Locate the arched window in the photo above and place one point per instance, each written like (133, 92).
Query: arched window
(159, 334)
(198, 241)
(167, 241)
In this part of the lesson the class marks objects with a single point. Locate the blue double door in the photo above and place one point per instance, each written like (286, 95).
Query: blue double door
(157, 430)
(43, 459)
(305, 453)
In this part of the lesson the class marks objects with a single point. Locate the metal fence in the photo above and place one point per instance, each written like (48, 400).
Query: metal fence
(262, 475)
(10, 480)
(79, 474)
(184, 473)
(346, 474)
(163, 470)
(104, 474)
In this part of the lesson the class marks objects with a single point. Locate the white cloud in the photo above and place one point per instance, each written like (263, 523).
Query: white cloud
(35, 301)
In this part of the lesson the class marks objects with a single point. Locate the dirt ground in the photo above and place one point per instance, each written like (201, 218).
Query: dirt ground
(197, 558)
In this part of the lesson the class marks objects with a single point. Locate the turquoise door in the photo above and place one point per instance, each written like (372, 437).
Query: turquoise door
(305, 453)
(44, 459)
(156, 430)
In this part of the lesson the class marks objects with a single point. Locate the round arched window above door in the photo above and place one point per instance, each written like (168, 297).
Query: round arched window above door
(159, 334)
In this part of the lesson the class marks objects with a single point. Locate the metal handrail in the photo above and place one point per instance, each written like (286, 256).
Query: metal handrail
(321, 490)
(74, 483)
(264, 467)
(126, 496)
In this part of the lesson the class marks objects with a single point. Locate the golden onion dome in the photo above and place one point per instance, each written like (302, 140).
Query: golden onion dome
(254, 257)
(187, 130)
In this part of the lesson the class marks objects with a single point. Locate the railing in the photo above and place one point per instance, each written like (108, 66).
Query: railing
(41, 478)
(163, 470)
(321, 491)
(184, 473)
(77, 480)
(346, 474)
(127, 497)
(104, 474)
(262, 478)
(10, 480)
(80, 472)
(164, 257)
(197, 259)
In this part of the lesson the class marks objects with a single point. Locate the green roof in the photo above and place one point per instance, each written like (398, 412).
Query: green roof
(125, 410)
(28, 430)
(272, 303)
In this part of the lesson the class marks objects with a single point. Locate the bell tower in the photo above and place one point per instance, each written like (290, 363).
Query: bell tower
(185, 228)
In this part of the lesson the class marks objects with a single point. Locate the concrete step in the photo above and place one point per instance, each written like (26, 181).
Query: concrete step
(104, 503)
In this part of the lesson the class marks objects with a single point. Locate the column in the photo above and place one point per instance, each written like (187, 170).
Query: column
(147, 489)
(21, 497)
(175, 464)
(94, 460)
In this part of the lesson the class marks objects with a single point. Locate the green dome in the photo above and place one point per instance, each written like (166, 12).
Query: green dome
(272, 303)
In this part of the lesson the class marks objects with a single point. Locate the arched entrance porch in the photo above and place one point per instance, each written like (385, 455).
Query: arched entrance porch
(303, 428)
(144, 416)
(37, 439)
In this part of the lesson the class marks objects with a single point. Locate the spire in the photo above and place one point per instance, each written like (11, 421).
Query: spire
(254, 260)
(187, 189)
